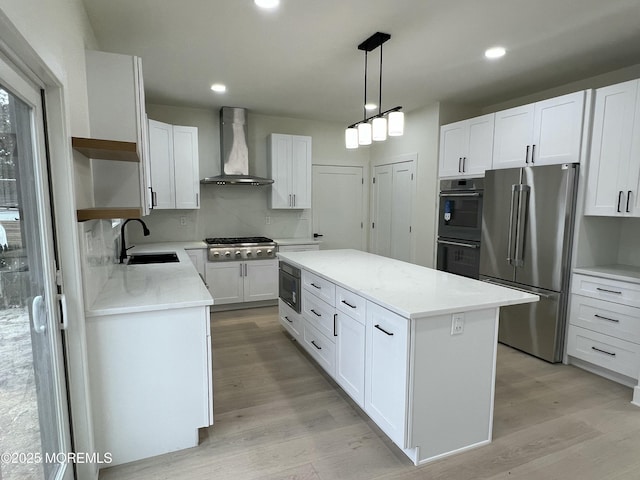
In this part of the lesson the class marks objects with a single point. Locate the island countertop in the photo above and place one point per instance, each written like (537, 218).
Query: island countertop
(409, 290)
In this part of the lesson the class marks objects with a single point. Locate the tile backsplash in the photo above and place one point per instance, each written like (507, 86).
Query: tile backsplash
(99, 247)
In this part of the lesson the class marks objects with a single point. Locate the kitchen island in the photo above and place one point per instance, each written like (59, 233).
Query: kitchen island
(414, 347)
(149, 352)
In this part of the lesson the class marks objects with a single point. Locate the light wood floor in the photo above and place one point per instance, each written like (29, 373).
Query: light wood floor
(278, 416)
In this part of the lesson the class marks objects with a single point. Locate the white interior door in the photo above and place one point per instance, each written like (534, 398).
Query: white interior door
(391, 210)
(338, 206)
(33, 410)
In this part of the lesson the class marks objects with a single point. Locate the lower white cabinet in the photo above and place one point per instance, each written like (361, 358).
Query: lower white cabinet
(320, 348)
(350, 356)
(198, 257)
(290, 320)
(386, 371)
(237, 282)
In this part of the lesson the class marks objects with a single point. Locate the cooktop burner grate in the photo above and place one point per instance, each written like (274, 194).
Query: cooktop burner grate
(237, 240)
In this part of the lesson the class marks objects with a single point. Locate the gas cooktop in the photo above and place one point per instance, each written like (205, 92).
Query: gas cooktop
(240, 248)
(236, 240)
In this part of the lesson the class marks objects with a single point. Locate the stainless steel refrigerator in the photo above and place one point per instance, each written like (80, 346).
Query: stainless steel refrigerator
(527, 232)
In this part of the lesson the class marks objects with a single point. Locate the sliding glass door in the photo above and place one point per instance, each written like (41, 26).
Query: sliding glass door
(34, 420)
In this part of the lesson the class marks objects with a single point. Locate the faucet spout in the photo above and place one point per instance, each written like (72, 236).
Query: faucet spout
(123, 243)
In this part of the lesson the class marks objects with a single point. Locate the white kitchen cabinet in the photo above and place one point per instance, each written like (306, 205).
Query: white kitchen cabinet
(290, 320)
(544, 133)
(115, 89)
(175, 177)
(386, 371)
(466, 147)
(237, 282)
(290, 168)
(198, 257)
(350, 356)
(614, 164)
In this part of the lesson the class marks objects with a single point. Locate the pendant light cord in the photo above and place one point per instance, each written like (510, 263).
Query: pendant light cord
(364, 109)
(380, 93)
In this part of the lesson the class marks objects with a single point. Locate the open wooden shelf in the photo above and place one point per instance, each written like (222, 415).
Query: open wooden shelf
(106, 149)
(85, 214)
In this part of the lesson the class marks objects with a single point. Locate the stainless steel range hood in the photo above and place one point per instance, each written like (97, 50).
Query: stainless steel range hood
(234, 152)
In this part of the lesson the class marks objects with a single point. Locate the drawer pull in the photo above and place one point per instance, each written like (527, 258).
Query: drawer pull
(606, 318)
(316, 286)
(608, 291)
(383, 330)
(348, 304)
(313, 342)
(316, 313)
(603, 351)
(335, 316)
(287, 319)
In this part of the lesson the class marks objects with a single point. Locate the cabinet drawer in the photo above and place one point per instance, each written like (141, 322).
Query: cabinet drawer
(320, 348)
(605, 351)
(607, 289)
(290, 320)
(319, 287)
(608, 318)
(319, 314)
(353, 305)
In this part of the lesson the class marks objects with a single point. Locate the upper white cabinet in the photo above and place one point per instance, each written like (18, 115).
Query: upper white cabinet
(174, 166)
(117, 112)
(544, 133)
(614, 165)
(466, 147)
(290, 168)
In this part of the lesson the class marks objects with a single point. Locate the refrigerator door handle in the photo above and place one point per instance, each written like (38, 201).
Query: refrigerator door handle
(523, 201)
(511, 225)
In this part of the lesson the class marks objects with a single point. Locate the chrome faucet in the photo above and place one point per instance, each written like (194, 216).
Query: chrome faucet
(123, 245)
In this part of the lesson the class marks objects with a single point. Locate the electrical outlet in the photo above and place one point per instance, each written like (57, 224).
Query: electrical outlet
(267, 220)
(457, 323)
(183, 221)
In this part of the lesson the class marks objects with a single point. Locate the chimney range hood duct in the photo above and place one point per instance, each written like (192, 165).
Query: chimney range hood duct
(234, 152)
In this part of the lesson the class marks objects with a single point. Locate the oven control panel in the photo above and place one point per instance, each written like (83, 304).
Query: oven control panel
(222, 254)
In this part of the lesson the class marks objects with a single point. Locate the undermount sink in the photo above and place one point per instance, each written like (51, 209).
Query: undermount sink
(144, 258)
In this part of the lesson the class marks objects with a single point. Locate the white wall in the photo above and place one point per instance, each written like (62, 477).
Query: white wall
(629, 244)
(240, 210)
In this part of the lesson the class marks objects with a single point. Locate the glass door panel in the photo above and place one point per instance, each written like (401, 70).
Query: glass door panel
(34, 426)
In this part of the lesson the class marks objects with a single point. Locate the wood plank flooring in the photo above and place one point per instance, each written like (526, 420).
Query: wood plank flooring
(278, 416)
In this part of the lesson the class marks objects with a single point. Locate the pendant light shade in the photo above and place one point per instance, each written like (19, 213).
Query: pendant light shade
(364, 133)
(376, 127)
(351, 137)
(379, 129)
(396, 124)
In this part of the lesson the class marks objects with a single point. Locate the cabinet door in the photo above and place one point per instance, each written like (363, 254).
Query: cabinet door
(386, 371)
(146, 196)
(280, 153)
(260, 280)
(301, 172)
(162, 164)
(610, 148)
(185, 157)
(479, 155)
(225, 280)
(557, 130)
(632, 203)
(350, 342)
(197, 257)
(454, 139)
(512, 136)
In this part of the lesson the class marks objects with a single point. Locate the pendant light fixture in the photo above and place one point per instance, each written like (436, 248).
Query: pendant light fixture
(377, 127)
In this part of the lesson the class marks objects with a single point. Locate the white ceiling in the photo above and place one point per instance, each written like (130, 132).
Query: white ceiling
(302, 60)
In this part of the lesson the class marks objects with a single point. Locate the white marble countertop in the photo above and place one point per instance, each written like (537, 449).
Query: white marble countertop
(409, 290)
(296, 241)
(625, 273)
(158, 286)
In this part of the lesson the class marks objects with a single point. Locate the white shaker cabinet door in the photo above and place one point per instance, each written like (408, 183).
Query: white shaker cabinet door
(453, 147)
(225, 280)
(301, 171)
(260, 280)
(187, 170)
(162, 164)
(386, 371)
(512, 137)
(479, 156)
(350, 348)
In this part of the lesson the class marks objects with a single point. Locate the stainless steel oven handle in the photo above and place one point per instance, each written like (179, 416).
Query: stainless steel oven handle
(459, 244)
(470, 194)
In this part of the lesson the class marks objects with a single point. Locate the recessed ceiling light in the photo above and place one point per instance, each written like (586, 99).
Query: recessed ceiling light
(370, 106)
(219, 88)
(267, 3)
(495, 52)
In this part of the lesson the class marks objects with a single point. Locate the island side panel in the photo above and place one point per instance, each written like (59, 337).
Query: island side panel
(453, 383)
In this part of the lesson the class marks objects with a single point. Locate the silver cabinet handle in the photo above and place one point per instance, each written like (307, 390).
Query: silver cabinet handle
(241, 270)
(606, 318)
(603, 351)
(459, 164)
(290, 200)
(608, 291)
(335, 316)
(383, 330)
(464, 164)
(197, 199)
(245, 270)
(313, 342)
(294, 199)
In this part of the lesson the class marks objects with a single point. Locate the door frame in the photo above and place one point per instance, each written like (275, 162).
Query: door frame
(17, 50)
(404, 158)
(365, 194)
